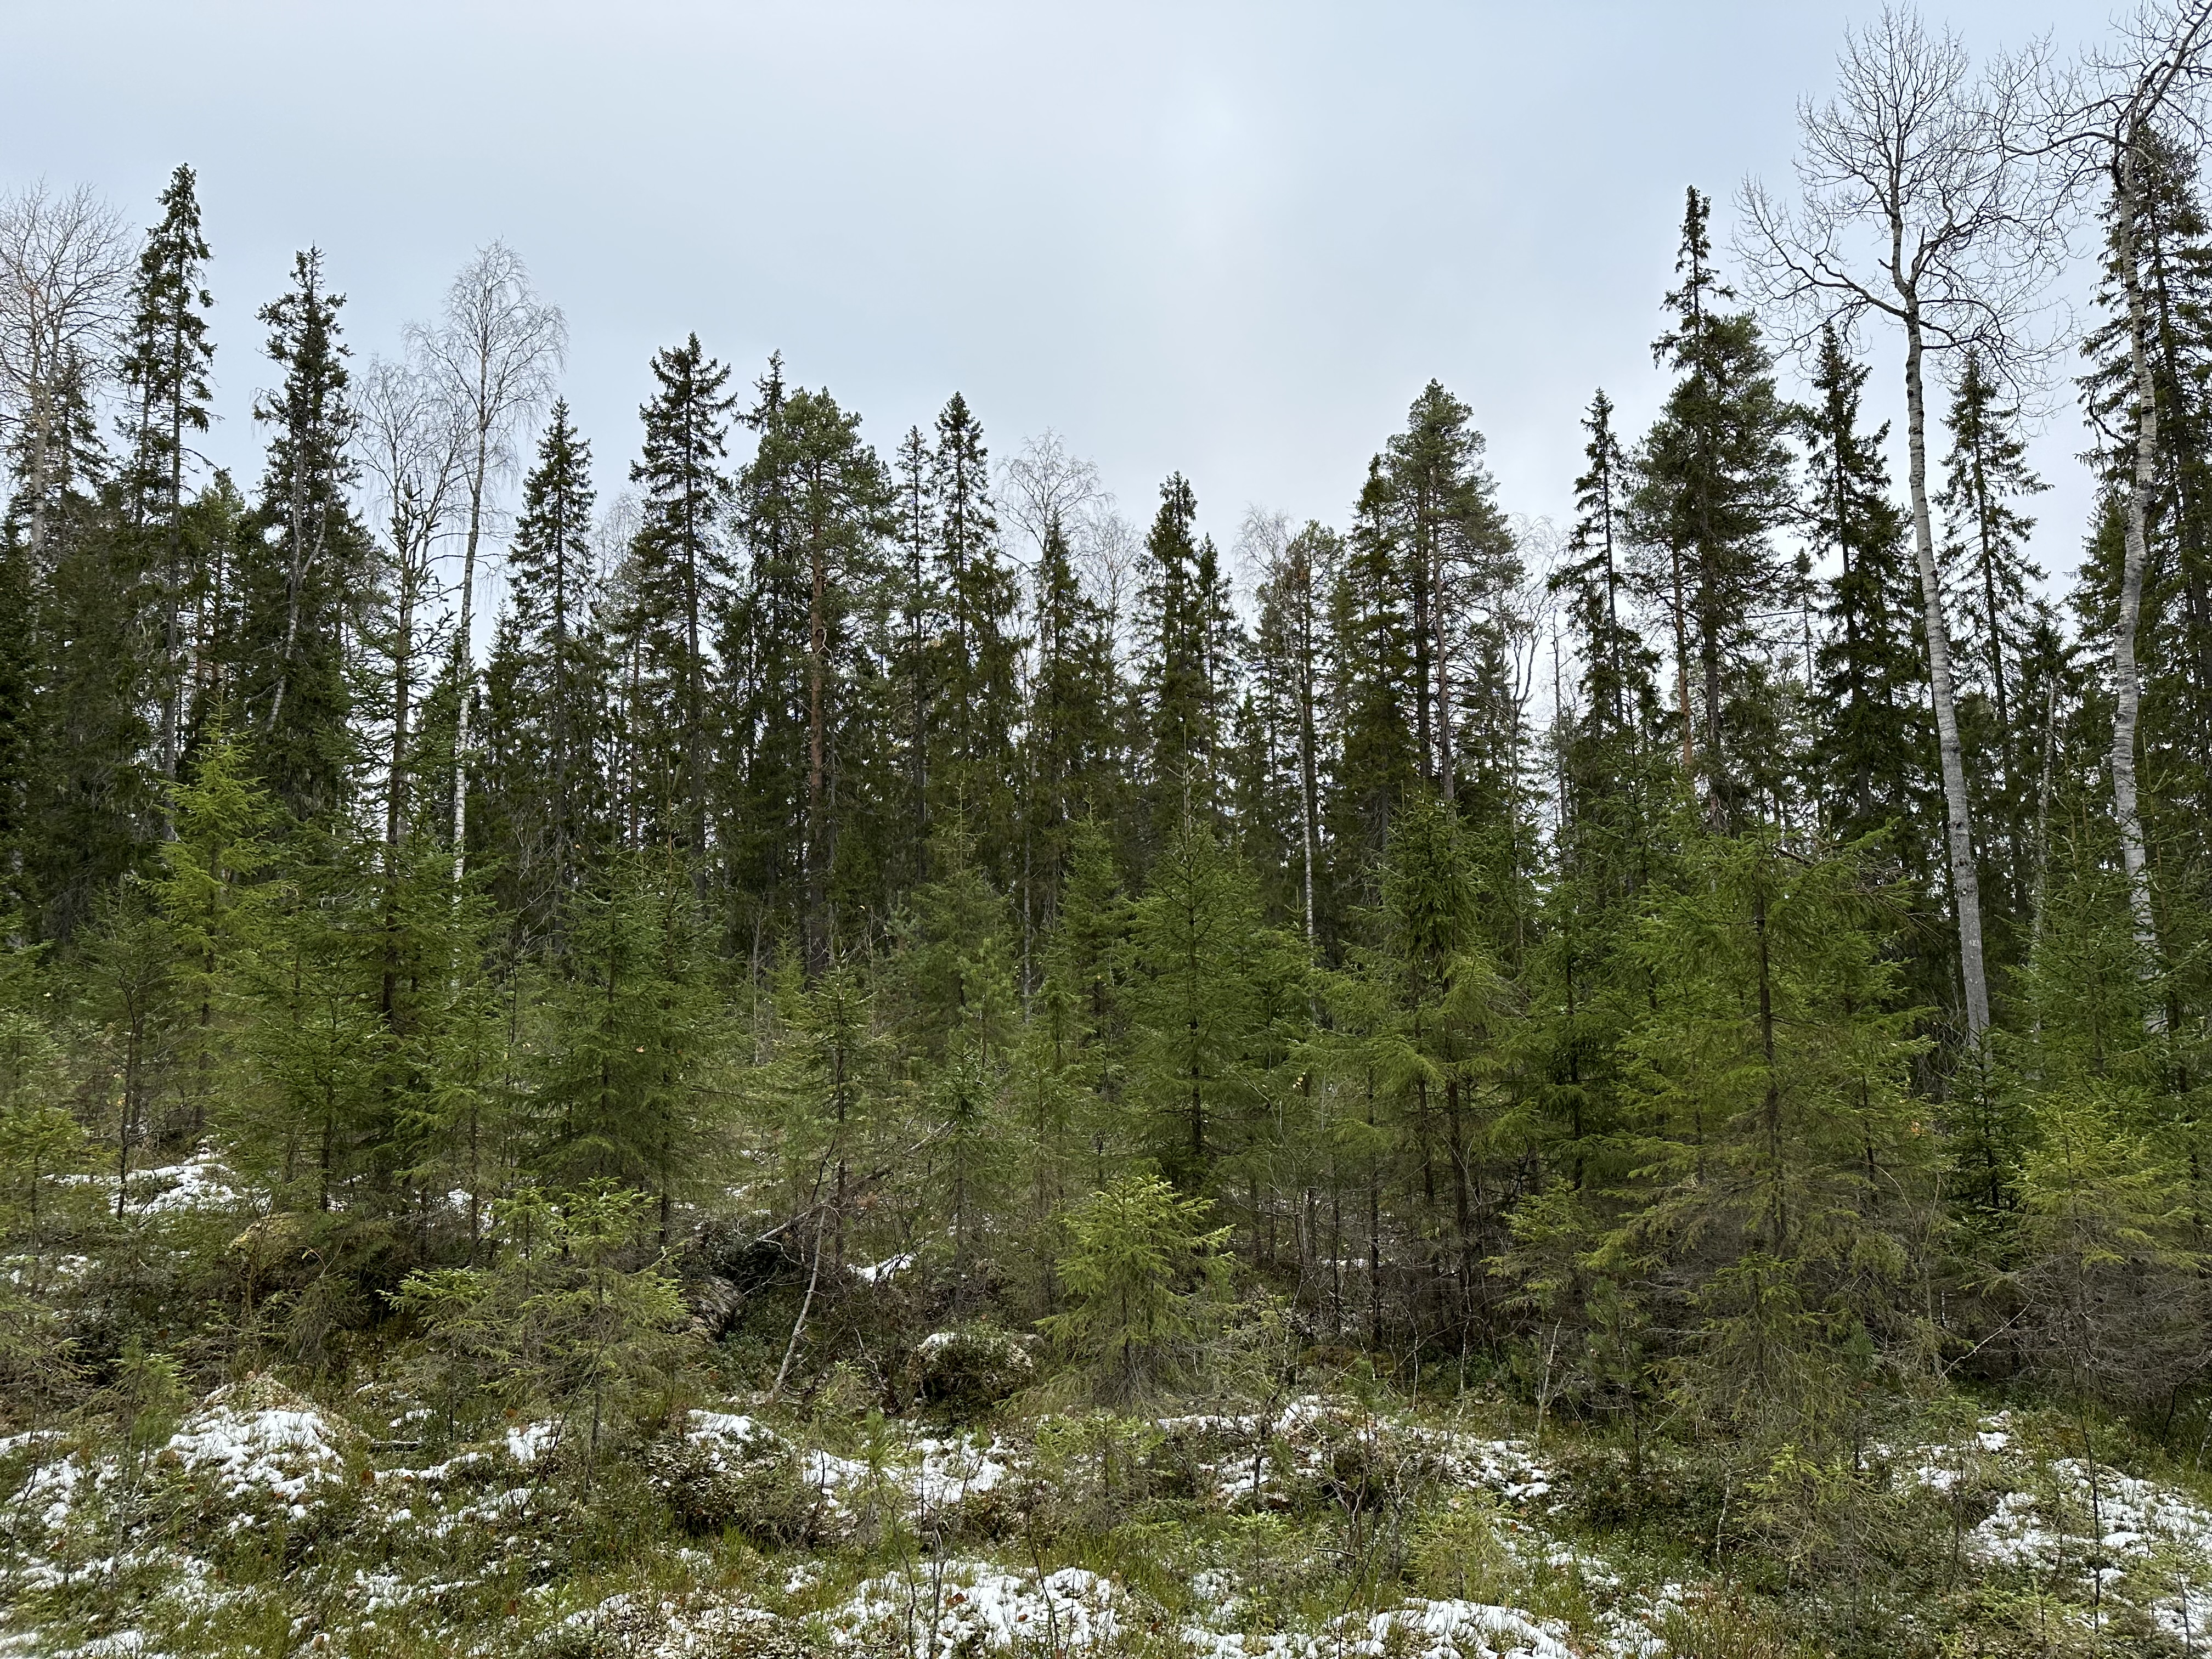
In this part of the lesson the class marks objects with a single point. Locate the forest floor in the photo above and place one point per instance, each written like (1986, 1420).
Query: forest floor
(1323, 1513)
(270, 1522)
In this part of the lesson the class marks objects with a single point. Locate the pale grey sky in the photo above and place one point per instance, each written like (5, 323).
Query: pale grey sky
(1233, 239)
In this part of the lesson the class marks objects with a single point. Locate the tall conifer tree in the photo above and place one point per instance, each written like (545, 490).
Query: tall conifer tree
(299, 577)
(677, 552)
(165, 368)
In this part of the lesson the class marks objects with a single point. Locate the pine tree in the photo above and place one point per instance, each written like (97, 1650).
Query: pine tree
(299, 577)
(165, 369)
(810, 633)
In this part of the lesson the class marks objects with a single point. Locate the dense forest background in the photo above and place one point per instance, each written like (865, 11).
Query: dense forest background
(1721, 971)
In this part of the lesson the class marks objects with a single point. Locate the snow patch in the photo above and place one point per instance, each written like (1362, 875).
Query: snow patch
(966, 1607)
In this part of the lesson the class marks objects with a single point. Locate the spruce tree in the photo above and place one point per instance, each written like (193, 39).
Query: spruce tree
(1288, 662)
(1197, 1007)
(165, 368)
(676, 553)
(1190, 659)
(90, 800)
(917, 650)
(1454, 560)
(2151, 375)
(1445, 994)
(978, 705)
(1069, 746)
(1371, 683)
(1986, 475)
(624, 1095)
(557, 670)
(299, 577)
(1873, 756)
(1712, 486)
(1785, 1174)
(1617, 686)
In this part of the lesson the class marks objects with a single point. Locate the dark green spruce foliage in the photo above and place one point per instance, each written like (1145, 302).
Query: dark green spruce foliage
(300, 574)
(1712, 486)
(1875, 765)
(165, 368)
(670, 713)
(548, 671)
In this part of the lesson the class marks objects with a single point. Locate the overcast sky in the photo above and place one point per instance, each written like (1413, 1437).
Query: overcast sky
(1231, 239)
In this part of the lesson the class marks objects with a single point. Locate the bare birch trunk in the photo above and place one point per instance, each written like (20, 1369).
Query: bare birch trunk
(2127, 682)
(1957, 818)
(465, 660)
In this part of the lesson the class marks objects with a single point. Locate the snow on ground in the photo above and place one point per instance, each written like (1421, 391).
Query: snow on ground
(259, 1442)
(2147, 1542)
(1257, 1454)
(257, 1445)
(202, 1182)
(879, 1273)
(968, 1607)
(528, 1442)
(934, 1473)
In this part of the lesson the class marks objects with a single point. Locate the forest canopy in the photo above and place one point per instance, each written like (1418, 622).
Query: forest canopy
(863, 921)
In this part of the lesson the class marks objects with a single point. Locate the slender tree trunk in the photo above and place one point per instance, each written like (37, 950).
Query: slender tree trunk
(1307, 781)
(2127, 685)
(172, 609)
(1444, 760)
(464, 658)
(1965, 881)
(1682, 664)
(818, 651)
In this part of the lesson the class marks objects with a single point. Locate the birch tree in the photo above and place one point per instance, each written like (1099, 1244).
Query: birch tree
(64, 280)
(415, 448)
(2134, 94)
(1920, 204)
(495, 352)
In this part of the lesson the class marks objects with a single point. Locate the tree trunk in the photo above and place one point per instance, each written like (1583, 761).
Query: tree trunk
(465, 660)
(817, 651)
(2127, 683)
(1958, 826)
(1309, 782)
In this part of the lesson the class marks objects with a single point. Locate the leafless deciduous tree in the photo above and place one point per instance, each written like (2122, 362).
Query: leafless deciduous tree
(2118, 102)
(1046, 485)
(494, 354)
(1920, 201)
(64, 282)
(414, 446)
